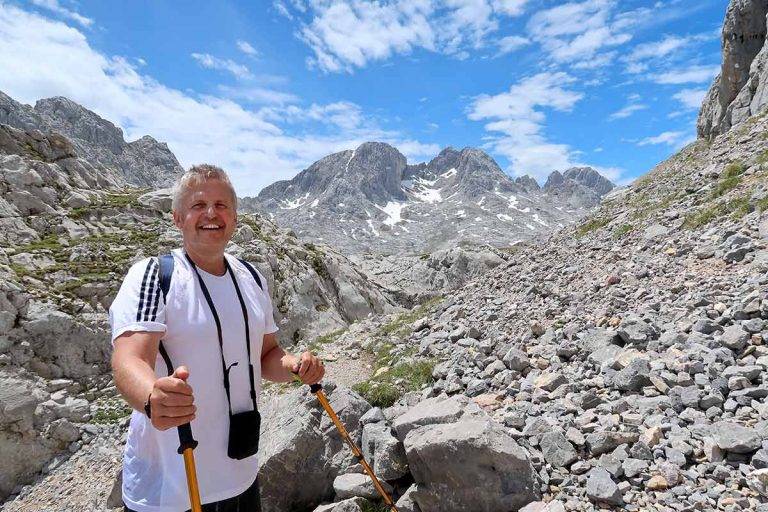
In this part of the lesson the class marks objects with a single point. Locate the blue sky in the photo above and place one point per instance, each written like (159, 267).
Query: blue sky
(266, 88)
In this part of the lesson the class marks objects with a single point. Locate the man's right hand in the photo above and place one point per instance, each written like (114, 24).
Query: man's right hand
(171, 400)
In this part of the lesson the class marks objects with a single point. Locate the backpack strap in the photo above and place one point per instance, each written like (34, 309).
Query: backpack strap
(250, 269)
(166, 273)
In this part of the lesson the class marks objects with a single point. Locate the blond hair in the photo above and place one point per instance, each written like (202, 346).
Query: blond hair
(196, 175)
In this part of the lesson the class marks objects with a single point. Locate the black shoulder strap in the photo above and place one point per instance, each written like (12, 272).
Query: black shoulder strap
(166, 273)
(248, 266)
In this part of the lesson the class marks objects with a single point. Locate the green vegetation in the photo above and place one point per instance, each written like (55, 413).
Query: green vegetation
(110, 410)
(384, 389)
(762, 158)
(400, 326)
(733, 169)
(622, 230)
(396, 373)
(762, 204)
(724, 185)
(325, 339)
(591, 225)
(736, 207)
(129, 198)
(369, 506)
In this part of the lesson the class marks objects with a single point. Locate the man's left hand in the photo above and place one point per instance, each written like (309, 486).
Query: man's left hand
(309, 368)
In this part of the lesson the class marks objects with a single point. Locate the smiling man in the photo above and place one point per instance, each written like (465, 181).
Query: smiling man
(216, 328)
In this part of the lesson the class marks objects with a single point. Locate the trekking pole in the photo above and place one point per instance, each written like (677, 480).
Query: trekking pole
(317, 390)
(187, 444)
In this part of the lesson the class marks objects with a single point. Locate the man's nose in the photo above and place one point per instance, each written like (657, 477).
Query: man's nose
(210, 211)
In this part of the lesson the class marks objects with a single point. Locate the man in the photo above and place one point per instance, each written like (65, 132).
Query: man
(212, 298)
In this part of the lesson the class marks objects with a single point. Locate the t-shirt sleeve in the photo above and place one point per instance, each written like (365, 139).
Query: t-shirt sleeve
(266, 304)
(139, 304)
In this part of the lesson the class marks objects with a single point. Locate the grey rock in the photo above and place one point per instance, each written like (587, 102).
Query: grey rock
(486, 467)
(602, 489)
(357, 485)
(735, 438)
(557, 450)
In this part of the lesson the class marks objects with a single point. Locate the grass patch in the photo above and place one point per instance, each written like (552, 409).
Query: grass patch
(622, 230)
(110, 411)
(386, 388)
(401, 325)
(762, 204)
(725, 185)
(316, 344)
(733, 169)
(369, 506)
(762, 158)
(591, 225)
(736, 208)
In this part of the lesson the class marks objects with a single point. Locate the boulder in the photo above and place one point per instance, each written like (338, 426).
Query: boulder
(473, 464)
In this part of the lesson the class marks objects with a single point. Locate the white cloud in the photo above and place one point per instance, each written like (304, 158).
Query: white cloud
(343, 114)
(210, 62)
(575, 32)
(674, 139)
(692, 74)
(691, 98)
(259, 95)
(40, 58)
(511, 43)
(56, 7)
(516, 119)
(629, 109)
(348, 34)
(246, 48)
(510, 7)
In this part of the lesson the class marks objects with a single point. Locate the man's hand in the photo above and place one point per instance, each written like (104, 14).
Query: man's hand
(171, 401)
(308, 367)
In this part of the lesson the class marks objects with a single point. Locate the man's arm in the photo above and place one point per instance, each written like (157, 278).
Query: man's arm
(279, 366)
(133, 362)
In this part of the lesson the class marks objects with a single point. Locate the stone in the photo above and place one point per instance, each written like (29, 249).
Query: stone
(634, 377)
(383, 451)
(357, 485)
(516, 359)
(406, 502)
(556, 449)
(486, 467)
(438, 410)
(736, 438)
(544, 506)
(550, 381)
(602, 489)
(348, 505)
(604, 442)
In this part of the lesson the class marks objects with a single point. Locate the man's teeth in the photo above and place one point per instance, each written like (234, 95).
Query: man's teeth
(211, 226)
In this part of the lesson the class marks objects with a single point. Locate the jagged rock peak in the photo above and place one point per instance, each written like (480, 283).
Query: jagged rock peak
(527, 183)
(144, 162)
(740, 90)
(70, 118)
(590, 178)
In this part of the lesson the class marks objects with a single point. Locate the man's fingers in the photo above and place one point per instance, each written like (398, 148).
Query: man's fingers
(182, 372)
(176, 400)
(176, 412)
(165, 422)
(174, 385)
(305, 363)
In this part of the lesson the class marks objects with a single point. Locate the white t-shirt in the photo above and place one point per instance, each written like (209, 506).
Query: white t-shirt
(153, 472)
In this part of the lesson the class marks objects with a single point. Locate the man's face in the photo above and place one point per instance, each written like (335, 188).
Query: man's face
(206, 216)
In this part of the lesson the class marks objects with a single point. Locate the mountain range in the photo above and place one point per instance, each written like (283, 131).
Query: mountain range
(371, 200)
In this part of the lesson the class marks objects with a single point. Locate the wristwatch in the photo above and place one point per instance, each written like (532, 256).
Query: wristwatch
(148, 407)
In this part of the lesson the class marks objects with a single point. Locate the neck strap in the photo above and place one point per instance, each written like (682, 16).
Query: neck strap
(215, 314)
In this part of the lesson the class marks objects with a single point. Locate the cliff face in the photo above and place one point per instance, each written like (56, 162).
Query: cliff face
(739, 91)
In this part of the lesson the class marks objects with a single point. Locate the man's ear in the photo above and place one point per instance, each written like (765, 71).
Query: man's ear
(176, 218)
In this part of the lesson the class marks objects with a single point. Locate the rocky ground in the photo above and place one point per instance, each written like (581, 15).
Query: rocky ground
(619, 365)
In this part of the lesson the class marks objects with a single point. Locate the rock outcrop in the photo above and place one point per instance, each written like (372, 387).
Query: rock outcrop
(142, 163)
(741, 88)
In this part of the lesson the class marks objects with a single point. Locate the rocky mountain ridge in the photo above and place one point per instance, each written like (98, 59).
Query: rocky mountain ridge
(371, 200)
(143, 163)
